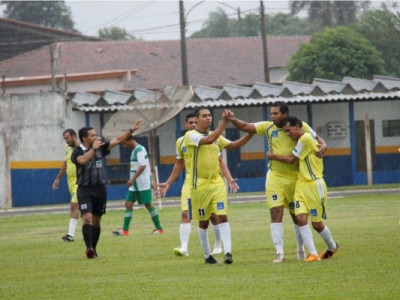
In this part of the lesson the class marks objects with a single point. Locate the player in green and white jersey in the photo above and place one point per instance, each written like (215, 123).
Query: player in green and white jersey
(140, 185)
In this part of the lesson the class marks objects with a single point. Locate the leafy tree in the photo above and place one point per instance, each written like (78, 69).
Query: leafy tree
(334, 53)
(54, 14)
(217, 25)
(330, 13)
(286, 24)
(381, 28)
(115, 33)
(278, 24)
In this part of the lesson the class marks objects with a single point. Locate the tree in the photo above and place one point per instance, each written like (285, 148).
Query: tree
(115, 33)
(334, 53)
(217, 25)
(381, 28)
(330, 13)
(286, 24)
(279, 24)
(54, 14)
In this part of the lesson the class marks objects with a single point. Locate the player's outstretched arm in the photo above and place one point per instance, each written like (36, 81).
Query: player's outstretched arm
(240, 142)
(60, 174)
(241, 125)
(124, 136)
(163, 187)
(233, 186)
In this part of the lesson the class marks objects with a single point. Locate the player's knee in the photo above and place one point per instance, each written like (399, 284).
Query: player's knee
(222, 219)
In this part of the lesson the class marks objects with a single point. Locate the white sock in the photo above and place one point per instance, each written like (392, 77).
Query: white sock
(72, 226)
(184, 233)
(217, 235)
(225, 230)
(308, 238)
(277, 236)
(327, 237)
(299, 238)
(203, 236)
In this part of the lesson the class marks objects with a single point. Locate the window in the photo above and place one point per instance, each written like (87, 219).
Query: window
(391, 128)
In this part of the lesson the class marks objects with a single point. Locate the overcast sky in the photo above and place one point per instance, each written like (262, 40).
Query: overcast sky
(157, 20)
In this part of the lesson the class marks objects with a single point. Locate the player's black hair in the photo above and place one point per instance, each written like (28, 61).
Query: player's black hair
(197, 110)
(292, 120)
(283, 108)
(189, 115)
(83, 132)
(70, 131)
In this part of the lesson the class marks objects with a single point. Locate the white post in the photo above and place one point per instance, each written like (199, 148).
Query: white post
(368, 157)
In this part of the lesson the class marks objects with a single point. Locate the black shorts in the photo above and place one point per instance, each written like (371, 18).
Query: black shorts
(92, 199)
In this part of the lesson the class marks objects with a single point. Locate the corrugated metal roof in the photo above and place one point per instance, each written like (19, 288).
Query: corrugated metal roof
(349, 89)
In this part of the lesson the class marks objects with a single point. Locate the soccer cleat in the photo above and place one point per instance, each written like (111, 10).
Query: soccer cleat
(279, 258)
(228, 258)
(90, 253)
(210, 260)
(301, 255)
(158, 231)
(312, 257)
(329, 253)
(120, 232)
(68, 238)
(180, 252)
(217, 248)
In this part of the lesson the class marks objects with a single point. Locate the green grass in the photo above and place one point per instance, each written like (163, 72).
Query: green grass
(36, 264)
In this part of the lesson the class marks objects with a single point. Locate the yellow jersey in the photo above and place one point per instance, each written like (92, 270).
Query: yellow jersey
(71, 167)
(181, 153)
(280, 144)
(310, 166)
(203, 159)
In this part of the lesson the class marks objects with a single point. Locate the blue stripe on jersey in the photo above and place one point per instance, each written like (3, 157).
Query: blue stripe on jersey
(310, 171)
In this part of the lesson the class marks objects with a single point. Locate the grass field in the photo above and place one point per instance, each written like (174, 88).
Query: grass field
(36, 264)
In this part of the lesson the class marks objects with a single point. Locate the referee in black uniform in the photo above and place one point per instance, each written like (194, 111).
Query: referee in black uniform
(92, 194)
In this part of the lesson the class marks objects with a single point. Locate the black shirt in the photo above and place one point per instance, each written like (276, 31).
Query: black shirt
(91, 174)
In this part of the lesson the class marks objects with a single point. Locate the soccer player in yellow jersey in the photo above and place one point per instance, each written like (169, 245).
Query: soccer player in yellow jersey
(311, 192)
(281, 178)
(68, 167)
(181, 163)
(208, 193)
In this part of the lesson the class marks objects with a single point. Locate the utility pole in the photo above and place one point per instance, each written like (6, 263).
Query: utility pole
(264, 43)
(182, 20)
(239, 21)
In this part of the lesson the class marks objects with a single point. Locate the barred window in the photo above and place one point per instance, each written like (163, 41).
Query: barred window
(391, 128)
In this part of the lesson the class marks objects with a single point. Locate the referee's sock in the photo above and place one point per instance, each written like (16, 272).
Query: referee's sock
(96, 235)
(87, 232)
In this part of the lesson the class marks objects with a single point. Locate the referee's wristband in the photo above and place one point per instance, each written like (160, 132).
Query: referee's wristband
(93, 148)
(131, 130)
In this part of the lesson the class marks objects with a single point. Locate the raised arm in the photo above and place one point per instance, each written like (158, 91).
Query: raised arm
(124, 136)
(163, 187)
(285, 159)
(60, 175)
(241, 125)
(211, 138)
(240, 142)
(233, 186)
